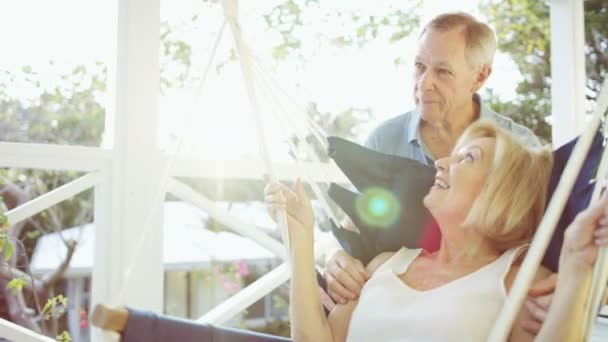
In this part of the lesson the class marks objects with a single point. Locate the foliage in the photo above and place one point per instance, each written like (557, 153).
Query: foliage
(64, 337)
(354, 27)
(350, 28)
(3, 219)
(69, 113)
(175, 59)
(6, 247)
(55, 307)
(522, 28)
(16, 285)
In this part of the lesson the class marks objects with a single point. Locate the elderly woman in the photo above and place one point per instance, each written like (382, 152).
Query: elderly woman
(488, 197)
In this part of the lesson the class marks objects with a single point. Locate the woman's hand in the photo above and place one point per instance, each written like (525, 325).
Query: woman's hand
(586, 233)
(300, 217)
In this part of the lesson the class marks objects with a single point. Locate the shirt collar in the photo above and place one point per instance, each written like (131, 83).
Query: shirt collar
(413, 128)
(413, 131)
(485, 112)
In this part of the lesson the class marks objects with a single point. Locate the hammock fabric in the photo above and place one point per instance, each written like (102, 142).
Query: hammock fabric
(147, 326)
(409, 181)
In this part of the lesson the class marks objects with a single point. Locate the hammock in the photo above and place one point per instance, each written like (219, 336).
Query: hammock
(138, 325)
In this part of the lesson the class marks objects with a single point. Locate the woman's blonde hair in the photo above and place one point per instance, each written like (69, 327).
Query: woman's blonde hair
(512, 201)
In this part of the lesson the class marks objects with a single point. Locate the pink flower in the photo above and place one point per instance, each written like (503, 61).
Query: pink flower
(241, 268)
(231, 287)
(84, 323)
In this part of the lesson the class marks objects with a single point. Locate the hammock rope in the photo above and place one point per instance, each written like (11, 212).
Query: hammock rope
(540, 241)
(165, 175)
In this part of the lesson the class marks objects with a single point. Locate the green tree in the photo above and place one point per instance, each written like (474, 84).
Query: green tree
(523, 31)
(69, 113)
(352, 27)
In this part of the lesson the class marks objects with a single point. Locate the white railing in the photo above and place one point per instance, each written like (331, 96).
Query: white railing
(53, 197)
(52, 157)
(14, 332)
(97, 163)
(41, 156)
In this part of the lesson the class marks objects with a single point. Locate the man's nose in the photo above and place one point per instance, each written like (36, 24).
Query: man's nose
(425, 80)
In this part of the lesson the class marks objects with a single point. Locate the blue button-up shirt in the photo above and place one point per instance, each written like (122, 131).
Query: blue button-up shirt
(401, 135)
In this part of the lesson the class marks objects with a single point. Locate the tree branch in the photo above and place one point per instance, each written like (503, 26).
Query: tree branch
(52, 278)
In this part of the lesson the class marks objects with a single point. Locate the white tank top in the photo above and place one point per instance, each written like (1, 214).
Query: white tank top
(462, 310)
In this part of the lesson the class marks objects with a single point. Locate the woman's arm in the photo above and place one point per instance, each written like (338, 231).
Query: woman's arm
(308, 321)
(581, 241)
(564, 320)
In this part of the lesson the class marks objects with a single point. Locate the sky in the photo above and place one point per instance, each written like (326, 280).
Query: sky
(204, 122)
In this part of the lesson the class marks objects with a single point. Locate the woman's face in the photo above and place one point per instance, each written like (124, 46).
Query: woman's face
(459, 180)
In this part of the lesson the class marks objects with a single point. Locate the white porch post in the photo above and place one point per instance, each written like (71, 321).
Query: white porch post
(127, 203)
(567, 69)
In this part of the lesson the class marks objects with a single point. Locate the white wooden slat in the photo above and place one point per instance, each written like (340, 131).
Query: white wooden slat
(14, 332)
(51, 198)
(52, 157)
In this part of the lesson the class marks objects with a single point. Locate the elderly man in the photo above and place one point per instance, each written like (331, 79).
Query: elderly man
(453, 61)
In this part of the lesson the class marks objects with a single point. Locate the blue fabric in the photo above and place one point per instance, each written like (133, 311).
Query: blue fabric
(147, 326)
(579, 197)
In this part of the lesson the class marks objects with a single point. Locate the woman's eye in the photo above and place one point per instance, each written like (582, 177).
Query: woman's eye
(468, 158)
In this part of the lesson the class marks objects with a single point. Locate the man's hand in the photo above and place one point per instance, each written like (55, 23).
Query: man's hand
(539, 299)
(345, 277)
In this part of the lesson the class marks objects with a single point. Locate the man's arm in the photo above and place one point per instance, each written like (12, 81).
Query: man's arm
(538, 302)
(519, 333)
(345, 275)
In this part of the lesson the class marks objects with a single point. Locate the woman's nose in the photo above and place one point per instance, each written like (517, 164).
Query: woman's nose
(442, 164)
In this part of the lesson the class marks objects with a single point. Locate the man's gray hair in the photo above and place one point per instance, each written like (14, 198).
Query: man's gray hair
(479, 37)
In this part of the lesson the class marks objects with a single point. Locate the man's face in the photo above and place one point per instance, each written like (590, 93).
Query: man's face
(444, 80)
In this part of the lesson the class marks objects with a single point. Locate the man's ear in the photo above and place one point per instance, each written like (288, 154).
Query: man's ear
(482, 76)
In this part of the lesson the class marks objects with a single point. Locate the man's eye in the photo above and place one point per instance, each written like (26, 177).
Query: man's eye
(419, 65)
(444, 72)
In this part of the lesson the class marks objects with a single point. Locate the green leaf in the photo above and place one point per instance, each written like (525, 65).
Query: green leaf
(8, 251)
(64, 337)
(397, 36)
(16, 285)
(3, 221)
(33, 234)
(54, 307)
(6, 247)
(50, 304)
